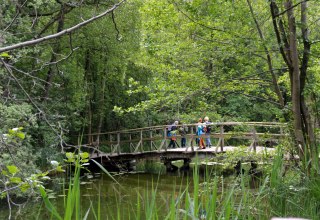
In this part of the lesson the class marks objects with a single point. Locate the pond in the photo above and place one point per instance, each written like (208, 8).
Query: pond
(136, 195)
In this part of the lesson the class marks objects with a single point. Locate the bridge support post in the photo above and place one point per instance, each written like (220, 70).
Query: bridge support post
(186, 164)
(151, 141)
(255, 140)
(118, 143)
(164, 141)
(169, 166)
(221, 139)
(141, 139)
(131, 165)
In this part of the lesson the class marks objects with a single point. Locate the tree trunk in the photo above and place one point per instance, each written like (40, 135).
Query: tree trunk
(89, 98)
(304, 66)
(101, 111)
(56, 51)
(296, 92)
(269, 61)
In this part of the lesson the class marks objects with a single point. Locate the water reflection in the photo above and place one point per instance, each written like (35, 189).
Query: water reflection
(131, 199)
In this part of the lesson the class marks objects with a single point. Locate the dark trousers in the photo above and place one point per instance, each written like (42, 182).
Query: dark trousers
(183, 142)
(172, 143)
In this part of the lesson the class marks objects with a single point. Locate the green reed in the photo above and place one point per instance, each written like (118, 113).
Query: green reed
(280, 192)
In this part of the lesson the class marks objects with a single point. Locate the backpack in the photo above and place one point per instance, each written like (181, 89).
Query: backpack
(207, 128)
(204, 129)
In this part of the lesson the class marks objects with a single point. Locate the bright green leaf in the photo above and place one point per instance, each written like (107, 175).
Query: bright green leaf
(13, 169)
(20, 135)
(70, 155)
(59, 169)
(5, 55)
(84, 155)
(15, 180)
(24, 187)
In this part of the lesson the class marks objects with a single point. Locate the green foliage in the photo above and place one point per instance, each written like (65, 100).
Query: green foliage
(242, 154)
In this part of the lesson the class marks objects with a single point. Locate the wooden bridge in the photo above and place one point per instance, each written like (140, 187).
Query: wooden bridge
(152, 142)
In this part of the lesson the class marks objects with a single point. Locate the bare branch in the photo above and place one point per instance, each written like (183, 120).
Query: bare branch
(61, 33)
(293, 6)
(274, 10)
(115, 27)
(53, 20)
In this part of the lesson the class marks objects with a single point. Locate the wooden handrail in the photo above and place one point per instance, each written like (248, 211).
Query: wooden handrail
(159, 127)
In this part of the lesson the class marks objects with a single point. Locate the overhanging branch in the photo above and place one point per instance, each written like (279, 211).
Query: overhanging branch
(293, 6)
(61, 33)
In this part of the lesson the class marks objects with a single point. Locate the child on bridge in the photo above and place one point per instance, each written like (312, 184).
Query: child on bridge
(172, 132)
(199, 139)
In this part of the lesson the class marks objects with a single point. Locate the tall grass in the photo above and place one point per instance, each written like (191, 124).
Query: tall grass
(280, 193)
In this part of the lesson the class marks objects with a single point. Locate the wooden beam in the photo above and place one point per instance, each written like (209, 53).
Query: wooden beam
(118, 144)
(137, 147)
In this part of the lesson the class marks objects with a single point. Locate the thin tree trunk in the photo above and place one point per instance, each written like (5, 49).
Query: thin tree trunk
(269, 61)
(56, 51)
(101, 112)
(281, 41)
(87, 79)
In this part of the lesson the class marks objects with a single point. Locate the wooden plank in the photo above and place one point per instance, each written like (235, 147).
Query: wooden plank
(141, 139)
(114, 150)
(151, 140)
(118, 144)
(219, 143)
(130, 143)
(137, 147)
(161, 145)
(222, 137)
(254, 141)
(165, 138)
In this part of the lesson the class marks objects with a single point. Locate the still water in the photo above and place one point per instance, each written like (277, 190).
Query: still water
(132, 198)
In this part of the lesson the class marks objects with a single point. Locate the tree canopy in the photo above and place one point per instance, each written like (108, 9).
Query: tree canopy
(74, 68)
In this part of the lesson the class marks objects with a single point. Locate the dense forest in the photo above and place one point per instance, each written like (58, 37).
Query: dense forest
(70, 69)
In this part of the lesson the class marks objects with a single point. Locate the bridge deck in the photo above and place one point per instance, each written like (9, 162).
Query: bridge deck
(171, 153)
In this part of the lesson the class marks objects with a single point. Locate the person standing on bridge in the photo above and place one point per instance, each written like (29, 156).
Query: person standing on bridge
(200, 132)
(207, 130)
(172, 132)
(183, 132)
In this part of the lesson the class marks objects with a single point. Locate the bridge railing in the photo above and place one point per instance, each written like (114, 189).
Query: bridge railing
(222, 134)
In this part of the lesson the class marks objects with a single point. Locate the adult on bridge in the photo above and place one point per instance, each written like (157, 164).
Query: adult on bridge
(172, 132)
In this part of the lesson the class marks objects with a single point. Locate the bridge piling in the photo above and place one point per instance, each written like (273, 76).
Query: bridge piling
(118, 143)
(221, 139)
(186, 164)
(169, 166)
